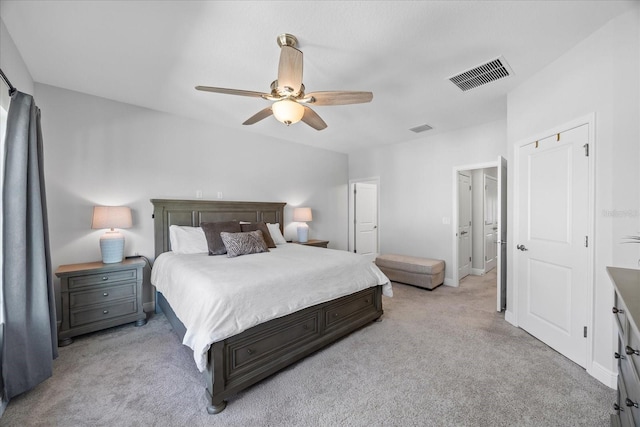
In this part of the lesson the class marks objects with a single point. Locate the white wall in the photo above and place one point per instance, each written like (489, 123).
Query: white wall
(599, 75)
(416, 186)
(12, 63)
(98, 151)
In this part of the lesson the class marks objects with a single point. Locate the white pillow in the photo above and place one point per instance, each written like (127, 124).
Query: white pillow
(276, 234)
(187, 240)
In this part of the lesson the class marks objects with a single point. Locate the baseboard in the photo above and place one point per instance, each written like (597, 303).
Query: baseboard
(449, 282)
(509, 317)
(477, 271)
(149, 307)
(604, 375)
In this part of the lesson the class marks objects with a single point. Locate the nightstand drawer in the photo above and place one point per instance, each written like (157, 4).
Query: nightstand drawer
(102, 278)
(105, 294)
(103, 312)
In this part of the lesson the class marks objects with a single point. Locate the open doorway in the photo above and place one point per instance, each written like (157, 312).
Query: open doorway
(479, 232)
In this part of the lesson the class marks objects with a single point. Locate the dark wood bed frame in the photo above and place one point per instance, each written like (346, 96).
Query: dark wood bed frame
(244, 359)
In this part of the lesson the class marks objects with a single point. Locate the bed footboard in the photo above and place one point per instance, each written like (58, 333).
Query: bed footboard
(244, 359)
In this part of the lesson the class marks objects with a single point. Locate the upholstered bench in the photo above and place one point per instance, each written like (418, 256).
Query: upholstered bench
(423, 272)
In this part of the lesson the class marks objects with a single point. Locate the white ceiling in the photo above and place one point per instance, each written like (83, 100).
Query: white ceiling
(153, 53)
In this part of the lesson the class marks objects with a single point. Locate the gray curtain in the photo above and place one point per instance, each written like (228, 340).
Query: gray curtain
(29, 339)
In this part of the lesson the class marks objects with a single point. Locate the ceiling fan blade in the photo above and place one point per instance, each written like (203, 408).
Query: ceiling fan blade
(232, 91)
(311, 118)
(290, 70)
(339, 97)
(262, 114)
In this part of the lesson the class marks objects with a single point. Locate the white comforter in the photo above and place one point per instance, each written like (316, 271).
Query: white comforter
(216, 297)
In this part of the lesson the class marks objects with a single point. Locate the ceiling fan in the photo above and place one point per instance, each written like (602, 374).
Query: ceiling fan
(290, 101)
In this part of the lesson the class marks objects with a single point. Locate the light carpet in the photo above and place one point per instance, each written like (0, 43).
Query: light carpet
(438, 358)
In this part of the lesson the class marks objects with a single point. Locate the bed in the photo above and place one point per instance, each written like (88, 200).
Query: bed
(235, 362)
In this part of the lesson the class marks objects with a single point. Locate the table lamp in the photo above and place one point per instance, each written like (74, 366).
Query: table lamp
(111, 242)
(302, 216)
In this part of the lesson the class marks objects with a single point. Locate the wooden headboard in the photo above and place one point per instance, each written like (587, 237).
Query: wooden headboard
(167, 212)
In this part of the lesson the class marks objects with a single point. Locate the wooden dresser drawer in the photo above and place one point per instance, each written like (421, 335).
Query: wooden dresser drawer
(102, 295)
(337, 314)
(627, 414)
(102, 312)
(620, 313)
(102, 278)
(244, 353)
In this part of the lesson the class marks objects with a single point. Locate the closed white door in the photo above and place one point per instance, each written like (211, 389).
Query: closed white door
(464, 224)
(490, 222)
(366, 219)
(552, 256)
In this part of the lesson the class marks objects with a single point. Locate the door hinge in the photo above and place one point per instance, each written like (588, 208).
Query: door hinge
(586, 241)
(586, 150)
(585, 331)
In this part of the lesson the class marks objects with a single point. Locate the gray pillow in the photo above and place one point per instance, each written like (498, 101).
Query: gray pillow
(262, 227)
(212, 232)
(238, 244)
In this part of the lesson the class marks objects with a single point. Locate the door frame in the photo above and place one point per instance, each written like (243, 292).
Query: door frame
(515, 236)
(455, 280)
(457, 220)
(351, 217)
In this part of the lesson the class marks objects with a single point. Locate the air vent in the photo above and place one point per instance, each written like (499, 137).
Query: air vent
(482, 74)
(421, 128)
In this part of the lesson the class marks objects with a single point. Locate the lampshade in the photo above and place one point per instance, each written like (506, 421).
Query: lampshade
(111, 242)
(302, 215)
(111, 217)
(287, 111)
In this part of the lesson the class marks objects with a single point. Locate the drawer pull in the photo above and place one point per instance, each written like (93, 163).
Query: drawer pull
(105, 294)
(105, 312)
(335, 314)
(105, 277)
(630, 351)
(617, 407)
(367, 301)
(249, 351)
(630, 403)
(618, 355)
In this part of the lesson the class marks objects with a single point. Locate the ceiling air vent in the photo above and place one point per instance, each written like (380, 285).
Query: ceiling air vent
(482, 74)
(421, 128)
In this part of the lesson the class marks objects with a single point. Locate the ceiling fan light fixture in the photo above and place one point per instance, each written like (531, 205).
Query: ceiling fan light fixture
(287, 111)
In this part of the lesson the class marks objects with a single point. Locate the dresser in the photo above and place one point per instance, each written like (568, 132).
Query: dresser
(96, 296)
(626, 309)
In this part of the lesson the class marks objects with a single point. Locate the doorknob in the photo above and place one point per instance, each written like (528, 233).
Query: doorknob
(462, 233)
(522, 248)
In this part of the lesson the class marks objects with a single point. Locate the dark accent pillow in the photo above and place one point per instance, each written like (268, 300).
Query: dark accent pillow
(251, 242)
(212, 232)
(262, 227)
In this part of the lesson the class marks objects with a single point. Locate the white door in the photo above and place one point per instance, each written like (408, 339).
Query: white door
(464, 224)
(501, 243)
(365, 197)
(490, 222)
(552, 259)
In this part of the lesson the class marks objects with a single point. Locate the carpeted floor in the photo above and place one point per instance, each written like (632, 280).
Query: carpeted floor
(439, 358)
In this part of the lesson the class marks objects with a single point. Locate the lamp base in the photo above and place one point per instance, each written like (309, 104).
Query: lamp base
(112, 247)
(303, 232)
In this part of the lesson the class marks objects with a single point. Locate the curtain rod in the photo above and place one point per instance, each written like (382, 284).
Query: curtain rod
(12, 89)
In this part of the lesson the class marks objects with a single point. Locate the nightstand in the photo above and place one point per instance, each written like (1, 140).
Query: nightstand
(96, 296)
(314, 242)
